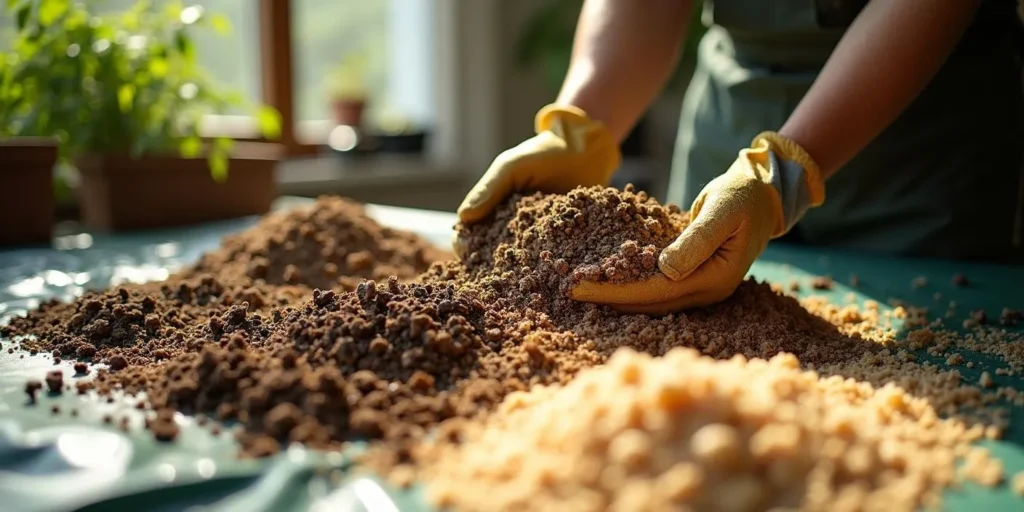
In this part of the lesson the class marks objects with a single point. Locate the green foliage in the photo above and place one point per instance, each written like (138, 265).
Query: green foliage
(546, 42)
(126, 82)
(349, 80)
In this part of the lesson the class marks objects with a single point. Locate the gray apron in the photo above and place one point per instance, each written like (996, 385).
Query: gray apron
(944, 180)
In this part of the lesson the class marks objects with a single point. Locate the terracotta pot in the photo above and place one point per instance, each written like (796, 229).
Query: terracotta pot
(121, 193)
(26, 205)
(348, 112)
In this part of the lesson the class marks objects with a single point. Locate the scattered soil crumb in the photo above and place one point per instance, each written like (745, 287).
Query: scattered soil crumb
(31, 388)
(1018, 484)
(822, 283)
(55, 381)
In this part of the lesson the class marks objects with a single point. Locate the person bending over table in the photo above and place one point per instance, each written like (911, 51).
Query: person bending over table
(909, 109)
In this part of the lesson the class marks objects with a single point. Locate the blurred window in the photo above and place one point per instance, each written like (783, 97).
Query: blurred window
(231, 56)
(386, 46)
(395, 39)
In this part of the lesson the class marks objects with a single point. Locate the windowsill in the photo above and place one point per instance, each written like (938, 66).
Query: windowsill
(332, 174)
(399, 180)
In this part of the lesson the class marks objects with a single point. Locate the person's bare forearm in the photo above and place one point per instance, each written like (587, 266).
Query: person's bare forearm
(884, 60)
(624, 52)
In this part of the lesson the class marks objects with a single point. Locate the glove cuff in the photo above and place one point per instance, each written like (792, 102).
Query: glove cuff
(549, 113)
(788, 149)
(581, 134)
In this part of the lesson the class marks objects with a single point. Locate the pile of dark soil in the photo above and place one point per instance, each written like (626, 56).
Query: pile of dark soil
(332, 244)
(383, 362)
(149, 322)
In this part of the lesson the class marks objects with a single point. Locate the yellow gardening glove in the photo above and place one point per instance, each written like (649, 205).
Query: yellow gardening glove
(569, 150)
(762, 195)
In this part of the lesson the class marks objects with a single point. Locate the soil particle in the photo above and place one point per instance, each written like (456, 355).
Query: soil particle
(117, 362)
(823, 283)
(163, 427)
(31, 388)
(55, 381)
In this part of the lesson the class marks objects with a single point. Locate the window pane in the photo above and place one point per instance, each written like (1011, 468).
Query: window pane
(394, 38)
(232, 58)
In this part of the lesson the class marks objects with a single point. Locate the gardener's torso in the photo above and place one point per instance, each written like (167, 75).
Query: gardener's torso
(944, 180)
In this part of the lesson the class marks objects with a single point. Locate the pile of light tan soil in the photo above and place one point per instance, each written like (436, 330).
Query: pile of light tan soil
(687, 430)
(388, 350)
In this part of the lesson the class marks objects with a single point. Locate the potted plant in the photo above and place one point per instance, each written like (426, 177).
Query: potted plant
(348, 90)
(125, 97)
(27, 173)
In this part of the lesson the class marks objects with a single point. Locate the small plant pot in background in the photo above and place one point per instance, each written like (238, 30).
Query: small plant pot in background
(348, 112)
(121, 193)
(26, 203)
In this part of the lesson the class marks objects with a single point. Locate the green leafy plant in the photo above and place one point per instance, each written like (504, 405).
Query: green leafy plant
(349, 80)
(546, 41)
(120, 83)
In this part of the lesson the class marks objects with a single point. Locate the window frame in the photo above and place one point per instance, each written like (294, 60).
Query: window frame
(464, 132)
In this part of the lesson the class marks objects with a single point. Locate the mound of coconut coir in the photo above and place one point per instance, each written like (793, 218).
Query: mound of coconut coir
(332, 244)
(386, 362)
(703, 434)
(595, 234)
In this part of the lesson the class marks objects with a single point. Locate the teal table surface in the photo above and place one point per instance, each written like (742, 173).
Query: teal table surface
(54, 462)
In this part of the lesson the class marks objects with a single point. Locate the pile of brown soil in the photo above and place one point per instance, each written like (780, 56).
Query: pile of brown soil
(383, 362)
(332, 244)
(538, 246)
(595, 234)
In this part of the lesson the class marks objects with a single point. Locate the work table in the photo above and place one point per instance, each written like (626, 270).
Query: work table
(132, 471)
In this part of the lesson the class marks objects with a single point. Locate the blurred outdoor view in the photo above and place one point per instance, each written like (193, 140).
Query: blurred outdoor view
(325, 34)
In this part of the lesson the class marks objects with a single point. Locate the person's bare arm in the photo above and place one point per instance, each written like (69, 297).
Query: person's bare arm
(624, 52)
(889, 54)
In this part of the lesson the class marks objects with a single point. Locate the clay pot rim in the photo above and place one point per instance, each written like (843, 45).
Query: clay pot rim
(28, 153)
(242, 151)
(28, 142)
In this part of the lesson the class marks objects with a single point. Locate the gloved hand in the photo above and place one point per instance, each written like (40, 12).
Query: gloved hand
(762, 195)
(569, 150)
